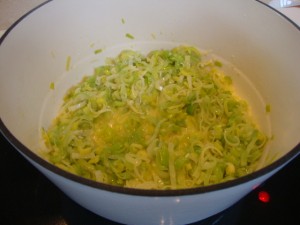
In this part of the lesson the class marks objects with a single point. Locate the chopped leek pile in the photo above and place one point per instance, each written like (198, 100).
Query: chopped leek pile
(167, 120)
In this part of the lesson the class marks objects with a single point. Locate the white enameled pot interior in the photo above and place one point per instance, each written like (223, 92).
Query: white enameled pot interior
(261, 47)
(258, 42)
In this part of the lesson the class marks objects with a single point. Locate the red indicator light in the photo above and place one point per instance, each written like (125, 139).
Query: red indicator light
(264, 196)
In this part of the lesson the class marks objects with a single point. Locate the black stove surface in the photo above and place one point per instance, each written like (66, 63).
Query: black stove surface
(27, 197)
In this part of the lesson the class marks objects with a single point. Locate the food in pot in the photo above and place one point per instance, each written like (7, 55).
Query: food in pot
(167, 120)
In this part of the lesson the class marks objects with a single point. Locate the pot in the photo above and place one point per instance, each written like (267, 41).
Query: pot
(261, 43)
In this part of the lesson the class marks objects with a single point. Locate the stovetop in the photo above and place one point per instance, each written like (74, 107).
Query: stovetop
(27, 197)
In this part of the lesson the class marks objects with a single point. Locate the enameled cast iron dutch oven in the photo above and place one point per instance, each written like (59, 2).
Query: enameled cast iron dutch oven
(261, 43)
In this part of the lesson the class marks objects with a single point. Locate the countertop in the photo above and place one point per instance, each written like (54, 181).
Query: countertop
(11, 10)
